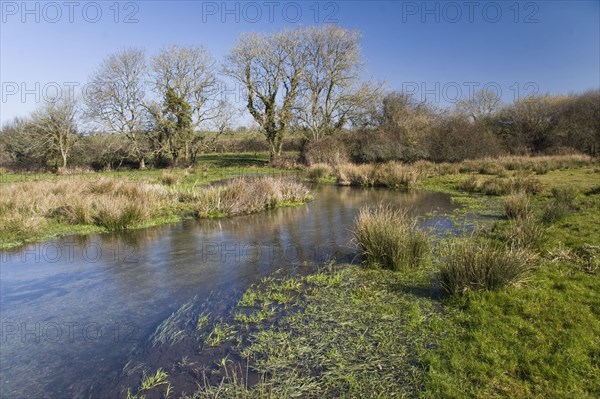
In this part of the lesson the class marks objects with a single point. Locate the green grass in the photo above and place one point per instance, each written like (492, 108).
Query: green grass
(357, 332)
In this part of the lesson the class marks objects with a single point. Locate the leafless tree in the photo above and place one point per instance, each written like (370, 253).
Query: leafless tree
(54, 126)
(270, 68)
(190, 73)
(482, 103)
(332, 93)
(116, 95)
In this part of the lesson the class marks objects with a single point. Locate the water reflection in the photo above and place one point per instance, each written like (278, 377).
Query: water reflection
(72, 309)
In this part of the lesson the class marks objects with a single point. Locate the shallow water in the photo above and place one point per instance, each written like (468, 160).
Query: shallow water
(74, 309)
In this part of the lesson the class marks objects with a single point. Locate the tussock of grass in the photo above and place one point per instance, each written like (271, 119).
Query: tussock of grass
(319, 172)
(391, 174)
(525, 233)
(169, 178)
(389, 239)
(477, 266)
(502, 186)
(243, 196)
(563, 202)
(516, 205)
(538, 164)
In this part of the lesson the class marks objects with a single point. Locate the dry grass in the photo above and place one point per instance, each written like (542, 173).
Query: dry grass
(114, 204)
(26, 208)
(318, 172)
(391, 174)
(242, 196)
(538, 164)
(169, 178)
(516, 205)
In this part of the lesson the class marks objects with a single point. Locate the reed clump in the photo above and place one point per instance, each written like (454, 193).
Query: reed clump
(389, 239)
(470, 265)
(243, 196)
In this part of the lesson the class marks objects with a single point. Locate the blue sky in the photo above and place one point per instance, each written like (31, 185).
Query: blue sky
(439, 51)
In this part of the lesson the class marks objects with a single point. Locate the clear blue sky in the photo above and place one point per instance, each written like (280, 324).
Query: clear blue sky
(437, 50)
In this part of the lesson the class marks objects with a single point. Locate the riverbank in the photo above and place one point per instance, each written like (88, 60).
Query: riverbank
(352, 331)
(39, 210)
(41, 206)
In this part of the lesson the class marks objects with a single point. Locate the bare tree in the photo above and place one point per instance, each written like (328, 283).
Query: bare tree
(115, 99)
(482, 103)
(189, 72)
(270, 68)
(332, 93)
(406, 118)
(53, 124)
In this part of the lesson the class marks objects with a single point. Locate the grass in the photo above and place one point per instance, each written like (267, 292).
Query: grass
(36, 210)
(522, 319)
(516, 205)
(375, 332)
(391, 175)
(154, 380)
(241, 196)
(468, 265)
(388, 239)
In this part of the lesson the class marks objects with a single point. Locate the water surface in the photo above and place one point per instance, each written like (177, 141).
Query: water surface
(73, 309)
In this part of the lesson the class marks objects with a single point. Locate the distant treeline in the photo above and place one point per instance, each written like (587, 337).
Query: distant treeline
(304, 91)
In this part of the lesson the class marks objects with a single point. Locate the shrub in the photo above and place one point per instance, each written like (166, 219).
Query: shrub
(389, 239)
(287, 161)
(329, 150)
(516, 205)
(475, 266)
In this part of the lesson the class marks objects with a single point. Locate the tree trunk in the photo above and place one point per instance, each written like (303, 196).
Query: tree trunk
(142, 164)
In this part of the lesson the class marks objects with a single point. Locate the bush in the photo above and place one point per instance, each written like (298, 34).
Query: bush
(329, 150)
(455, 139)
(476, 266)
(389, 239)
(516, 205)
